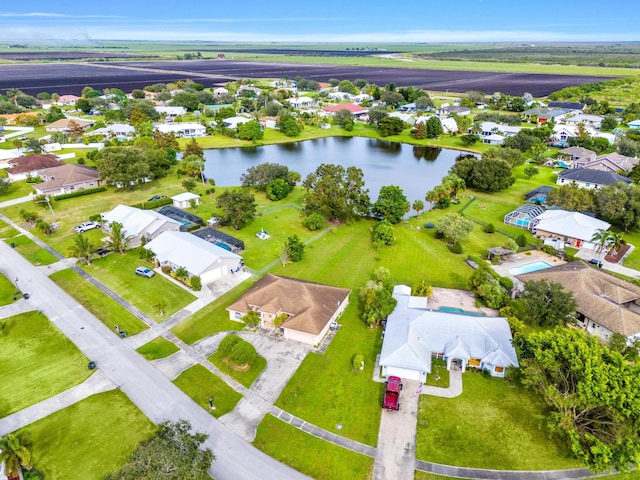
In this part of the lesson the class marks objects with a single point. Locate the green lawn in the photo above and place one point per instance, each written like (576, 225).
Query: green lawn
(31, 251)
(326, 391)
(36, 362)
(442, 375)
(7, 289)
(211, 319)
(491, 425)
(118, 273)
(107, 310)
(157, 348)
(17, 190)
(245, 377)
(310, 455)
(90, 439)
(201, 385)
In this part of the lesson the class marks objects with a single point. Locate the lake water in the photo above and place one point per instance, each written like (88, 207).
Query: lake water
(414, 169)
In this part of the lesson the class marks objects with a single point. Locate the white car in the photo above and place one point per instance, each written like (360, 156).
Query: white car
(86, 226)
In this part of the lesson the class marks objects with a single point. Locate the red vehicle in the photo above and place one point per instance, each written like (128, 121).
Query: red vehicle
(392, 393)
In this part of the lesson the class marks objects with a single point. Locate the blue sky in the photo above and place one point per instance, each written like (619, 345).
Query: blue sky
(319, 21)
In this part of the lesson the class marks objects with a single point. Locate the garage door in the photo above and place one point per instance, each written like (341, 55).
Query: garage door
(211, 275)
(404, 373)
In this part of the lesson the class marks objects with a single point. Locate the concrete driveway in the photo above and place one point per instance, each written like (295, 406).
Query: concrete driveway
(396, 450)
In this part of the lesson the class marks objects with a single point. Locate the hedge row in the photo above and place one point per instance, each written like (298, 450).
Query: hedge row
(80, 193)
(155, 204)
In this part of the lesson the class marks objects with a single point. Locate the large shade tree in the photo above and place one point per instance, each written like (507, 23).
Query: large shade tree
(392, 204)
(336, 192)
(592, 394)
(239, 207)
(547, 303)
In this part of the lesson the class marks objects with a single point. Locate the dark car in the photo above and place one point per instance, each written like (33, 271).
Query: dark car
(102, 251)
(595, 261)
(156, 197)
(392, 393)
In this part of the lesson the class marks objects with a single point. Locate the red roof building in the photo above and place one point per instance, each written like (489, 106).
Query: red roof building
(353, 108)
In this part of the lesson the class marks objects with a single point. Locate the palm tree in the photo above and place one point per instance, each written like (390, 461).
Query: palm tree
(601, 238)
(82, 249)
(13, 93)
(615, 241)
(15, 453)
(118, 239)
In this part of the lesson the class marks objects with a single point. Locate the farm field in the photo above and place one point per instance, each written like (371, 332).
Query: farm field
(68, 78)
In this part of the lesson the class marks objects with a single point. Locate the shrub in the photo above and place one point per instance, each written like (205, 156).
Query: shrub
(439, 234)
(166, 269)
(486, 373)
(242, 353)
(438, 362)
(456, 248)
(252, 318)
(358, 362)
(315, 221)
(489, 228)
(506, 282)
(155, 204)
(422, 289)
(521, 240)
(196, 283)
(80, 193)
(227, 344)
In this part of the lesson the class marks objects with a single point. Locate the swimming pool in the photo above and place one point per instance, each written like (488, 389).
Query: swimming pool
(530, 267)
(461, 311)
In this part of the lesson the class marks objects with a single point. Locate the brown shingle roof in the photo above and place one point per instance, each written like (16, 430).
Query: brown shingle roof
(68, 174)
(310, 306)
(33, 162)
(600, 296)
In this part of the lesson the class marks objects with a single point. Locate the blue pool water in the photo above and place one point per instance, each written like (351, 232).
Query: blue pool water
(459, 310)
(530, 267)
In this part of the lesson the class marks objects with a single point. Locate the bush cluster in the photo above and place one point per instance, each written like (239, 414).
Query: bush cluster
(80, 193)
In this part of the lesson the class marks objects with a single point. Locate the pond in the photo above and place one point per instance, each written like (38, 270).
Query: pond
(415, 169)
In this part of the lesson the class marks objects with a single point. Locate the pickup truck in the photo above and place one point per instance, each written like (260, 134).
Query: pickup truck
(392, 393)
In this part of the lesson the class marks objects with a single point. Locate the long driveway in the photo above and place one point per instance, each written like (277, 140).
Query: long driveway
(145, 385)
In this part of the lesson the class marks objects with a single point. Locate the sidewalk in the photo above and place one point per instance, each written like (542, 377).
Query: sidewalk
(16, 201)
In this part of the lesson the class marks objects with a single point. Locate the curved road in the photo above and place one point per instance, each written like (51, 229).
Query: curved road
(146, 386)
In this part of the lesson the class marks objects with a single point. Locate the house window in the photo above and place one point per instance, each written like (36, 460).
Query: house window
(437, 355)
(474, 362)
(238, 315)
(498, 369)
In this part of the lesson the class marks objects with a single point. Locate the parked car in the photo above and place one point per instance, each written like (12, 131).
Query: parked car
(392, 393)
(595, 261)
(86, 226)
(156, 197)
(102, 251)
(144, 272)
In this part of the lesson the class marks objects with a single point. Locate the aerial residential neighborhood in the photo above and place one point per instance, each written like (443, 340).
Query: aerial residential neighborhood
(335, 261)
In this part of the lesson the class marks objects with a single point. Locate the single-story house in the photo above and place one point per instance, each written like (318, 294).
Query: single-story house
(310, 308)
(137, 223)
(300, 102)
(67, 178)
(6, 156)
(356, 110)
(493, 139)
(245, 88)
(544, 115)
(593, 121)
(64, 125)
(634, 125)
(269, 122)
(211, 109)
(197, 256)
(182, 129)
(233, 122)
(183, 200)
(414, 335)
(612, 162)
(121, 131)
(30, 165)
(445, 111)
(573, 228)
(591, 179)
(577, 156)
(171, 112)
(218, 92)
(449, 124)
(67, 100)
(491, 128)
(405, 117)
(606, 304)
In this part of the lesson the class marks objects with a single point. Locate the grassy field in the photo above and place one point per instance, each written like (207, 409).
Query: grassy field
(310, 455)
(338, 394)
(211, 319)
(90, 439)
(491, 425)
(7, 289)
(118, 273)
(245, 377)
(107, 310)
(36, 362)
(157, 348)
(17, 190)
(31, 251)
(201, 385)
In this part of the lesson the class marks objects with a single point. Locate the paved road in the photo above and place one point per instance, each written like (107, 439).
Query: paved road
(145, 385)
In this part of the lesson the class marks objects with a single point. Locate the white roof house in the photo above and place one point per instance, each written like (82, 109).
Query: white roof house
(183, 200)
(140, 223)
(182, 129)
(119, 130)
(199, 257)
(573, 228)
(414, 334)
(449, 124)
(302, 102)
(233, 122)
(171, 111)
(405, 117)
(220, 91)
(489, 128)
